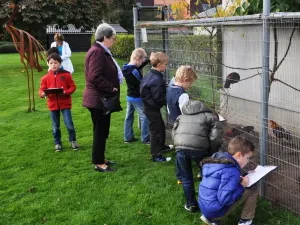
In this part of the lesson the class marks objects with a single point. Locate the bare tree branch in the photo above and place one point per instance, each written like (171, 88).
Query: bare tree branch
(275, 52)
(276, 66)
(220, 63)
(288, 48)
(237, 68)
(296, 89)
(250, 77)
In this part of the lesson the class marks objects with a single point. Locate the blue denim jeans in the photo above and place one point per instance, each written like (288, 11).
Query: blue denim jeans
(129, 119)
(55, 118)
(184, 168)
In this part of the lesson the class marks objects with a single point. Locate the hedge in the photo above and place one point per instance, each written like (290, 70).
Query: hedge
(185, 49)
(7, 47)
(122, 47)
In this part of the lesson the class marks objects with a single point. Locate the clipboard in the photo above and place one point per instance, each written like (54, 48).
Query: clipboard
(53, 91)
(259, 173)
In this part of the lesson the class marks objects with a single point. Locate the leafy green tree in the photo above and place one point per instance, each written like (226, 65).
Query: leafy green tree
(35, 15)
(120, 11)
(256, 6)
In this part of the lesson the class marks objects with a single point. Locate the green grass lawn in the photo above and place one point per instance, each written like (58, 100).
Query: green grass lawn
(39, 186)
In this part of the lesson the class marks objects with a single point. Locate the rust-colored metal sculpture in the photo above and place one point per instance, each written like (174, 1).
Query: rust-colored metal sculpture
(30, 53)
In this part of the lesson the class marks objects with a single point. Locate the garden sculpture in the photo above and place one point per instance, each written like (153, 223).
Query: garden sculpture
(30, 52)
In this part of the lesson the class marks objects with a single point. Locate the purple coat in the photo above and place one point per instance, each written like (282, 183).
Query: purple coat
(101, 76)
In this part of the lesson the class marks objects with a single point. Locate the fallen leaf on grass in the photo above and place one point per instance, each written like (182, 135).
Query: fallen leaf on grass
(32, 189)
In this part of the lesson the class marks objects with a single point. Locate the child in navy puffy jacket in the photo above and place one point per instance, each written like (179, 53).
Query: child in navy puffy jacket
(153, 94)
(223, 187)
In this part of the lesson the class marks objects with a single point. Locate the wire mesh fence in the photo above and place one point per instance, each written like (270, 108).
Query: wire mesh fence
(226, 53)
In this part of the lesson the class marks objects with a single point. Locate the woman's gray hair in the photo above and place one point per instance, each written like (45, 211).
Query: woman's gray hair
(104, 30)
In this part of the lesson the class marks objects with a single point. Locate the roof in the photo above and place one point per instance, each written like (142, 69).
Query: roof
(71, 29)
(208, 13)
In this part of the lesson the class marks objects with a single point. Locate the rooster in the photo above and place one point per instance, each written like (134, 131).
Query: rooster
(231, 79)
(279, 132)
(235, 131)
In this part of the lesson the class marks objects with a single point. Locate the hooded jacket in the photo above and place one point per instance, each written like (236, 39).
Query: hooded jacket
(133, 77)
(197, 129)
(153, 90)
(58, 79)
(220, 186)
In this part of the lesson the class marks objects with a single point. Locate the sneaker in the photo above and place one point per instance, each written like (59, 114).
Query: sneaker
(74, 145)
(170, 146)
(208, 222)
(132, 140)
(57, 148)
(245, 222)
(160, 158)
(199, 176)
(146, 142)
(167, 148)
(191, 209)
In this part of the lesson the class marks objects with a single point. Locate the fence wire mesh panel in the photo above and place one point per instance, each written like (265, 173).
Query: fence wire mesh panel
(226, 53)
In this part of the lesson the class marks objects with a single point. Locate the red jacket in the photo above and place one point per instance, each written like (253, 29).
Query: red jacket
(59, 79)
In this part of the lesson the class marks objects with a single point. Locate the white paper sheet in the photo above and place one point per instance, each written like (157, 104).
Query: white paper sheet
(259, 172)
(144, 34)
(221, 118)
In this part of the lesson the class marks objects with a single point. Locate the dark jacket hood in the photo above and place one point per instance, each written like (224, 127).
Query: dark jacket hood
(218, 162)
(128, 66)
(194, 107)
(127, 69)
(219, 158)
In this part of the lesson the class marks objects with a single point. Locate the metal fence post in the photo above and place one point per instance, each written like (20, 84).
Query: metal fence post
(137, 42)
(165, 37)
(265, 85)
(135, 29)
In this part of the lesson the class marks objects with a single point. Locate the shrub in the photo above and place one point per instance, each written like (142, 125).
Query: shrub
(3, 42)
(122, 47)
(8, 47)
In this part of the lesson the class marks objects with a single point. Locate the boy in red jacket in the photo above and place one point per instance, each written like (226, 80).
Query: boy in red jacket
(59, 100)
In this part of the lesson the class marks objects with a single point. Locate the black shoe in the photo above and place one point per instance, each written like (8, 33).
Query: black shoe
(108, 169)
(110, 162)
(192, 208)
(132, 140)
(245, 222)
(160, 158)
(167, 148)
(146, 142)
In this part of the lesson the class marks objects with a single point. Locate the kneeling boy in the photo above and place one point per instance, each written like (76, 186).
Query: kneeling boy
(223, 187)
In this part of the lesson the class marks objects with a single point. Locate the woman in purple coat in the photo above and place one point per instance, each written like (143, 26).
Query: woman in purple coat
(103, 77)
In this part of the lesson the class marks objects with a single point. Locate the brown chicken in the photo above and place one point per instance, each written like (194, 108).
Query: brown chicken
(278, 131)
(235, 131)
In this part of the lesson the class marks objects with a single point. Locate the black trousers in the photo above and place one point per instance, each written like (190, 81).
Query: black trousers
(157, 131)
(101, 124)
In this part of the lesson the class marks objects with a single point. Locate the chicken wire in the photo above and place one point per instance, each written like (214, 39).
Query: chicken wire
(218, 47)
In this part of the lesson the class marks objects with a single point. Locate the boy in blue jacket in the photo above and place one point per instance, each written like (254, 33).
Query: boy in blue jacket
(133, 76)
(153, 94)
(223, 187)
